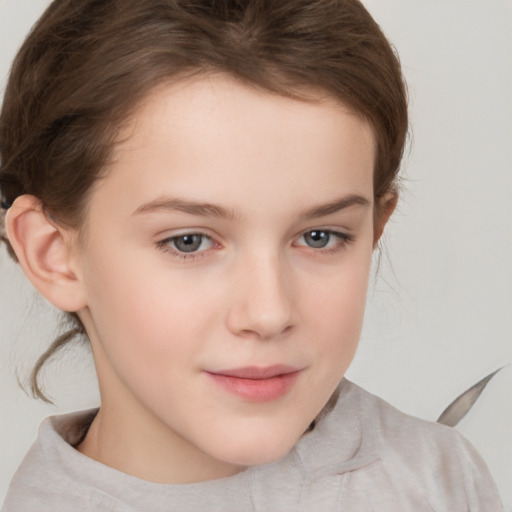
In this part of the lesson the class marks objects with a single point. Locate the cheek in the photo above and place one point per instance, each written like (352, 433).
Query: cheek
(144, 313)
(336, 309)
(339, 298)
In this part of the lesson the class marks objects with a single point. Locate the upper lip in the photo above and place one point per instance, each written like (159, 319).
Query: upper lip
(257, 372)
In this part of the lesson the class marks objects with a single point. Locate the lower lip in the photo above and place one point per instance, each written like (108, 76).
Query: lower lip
(257, 390)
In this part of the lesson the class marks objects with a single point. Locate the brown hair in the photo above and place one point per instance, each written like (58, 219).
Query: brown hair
(87, 64)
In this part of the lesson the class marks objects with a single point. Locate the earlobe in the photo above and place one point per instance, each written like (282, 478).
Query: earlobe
(383, 212)
(45, 253)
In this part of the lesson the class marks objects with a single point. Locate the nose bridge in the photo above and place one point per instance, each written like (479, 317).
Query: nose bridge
(262, 302)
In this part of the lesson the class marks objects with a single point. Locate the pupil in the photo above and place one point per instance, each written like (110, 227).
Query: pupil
(317, 239)
(188, 243)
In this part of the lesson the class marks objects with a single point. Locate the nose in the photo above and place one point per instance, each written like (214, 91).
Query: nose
(261, 304)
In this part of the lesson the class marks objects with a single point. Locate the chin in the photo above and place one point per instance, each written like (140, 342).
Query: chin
(259, 448)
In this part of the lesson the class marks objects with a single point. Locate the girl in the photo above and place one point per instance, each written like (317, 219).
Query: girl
(200, 186)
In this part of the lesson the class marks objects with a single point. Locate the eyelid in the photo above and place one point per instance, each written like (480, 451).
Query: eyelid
(186, 230)
(165, 244)
(343, 237)
(335, 230)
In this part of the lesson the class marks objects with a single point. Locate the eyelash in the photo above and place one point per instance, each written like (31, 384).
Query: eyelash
(344, 240)
(165, 246)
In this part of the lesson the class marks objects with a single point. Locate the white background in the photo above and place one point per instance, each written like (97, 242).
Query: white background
(439, 313)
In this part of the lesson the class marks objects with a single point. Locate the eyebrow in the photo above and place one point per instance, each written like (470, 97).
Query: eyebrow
(213, 210)
(190, 207)
(341, 203)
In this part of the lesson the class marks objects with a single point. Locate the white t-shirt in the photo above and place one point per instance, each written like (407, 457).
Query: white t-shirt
(362, 456)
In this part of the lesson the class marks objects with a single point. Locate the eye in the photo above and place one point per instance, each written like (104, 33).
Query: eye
(187, 243)
(324, 239)
(317, 239)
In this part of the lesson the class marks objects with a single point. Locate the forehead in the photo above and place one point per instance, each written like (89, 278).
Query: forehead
(208, 101)
(215, 136)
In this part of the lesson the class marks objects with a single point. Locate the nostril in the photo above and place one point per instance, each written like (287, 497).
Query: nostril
(265, 334)
(262, 303)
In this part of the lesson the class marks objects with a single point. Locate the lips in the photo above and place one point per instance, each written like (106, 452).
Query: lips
(257, 384)
(255, 372)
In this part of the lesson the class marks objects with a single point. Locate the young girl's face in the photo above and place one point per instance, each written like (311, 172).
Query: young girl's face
(224, 273)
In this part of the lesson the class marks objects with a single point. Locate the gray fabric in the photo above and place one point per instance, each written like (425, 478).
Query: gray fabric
(363, 456)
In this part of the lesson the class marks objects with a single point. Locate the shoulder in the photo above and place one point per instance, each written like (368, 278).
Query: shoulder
(398, 430)
(37, 485)
(419, 454)
(42, 482)
(398, 433)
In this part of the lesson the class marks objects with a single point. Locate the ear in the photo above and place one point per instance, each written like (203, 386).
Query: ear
(45, 252)
(383, 212)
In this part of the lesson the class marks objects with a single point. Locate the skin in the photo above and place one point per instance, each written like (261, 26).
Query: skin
(254, 293)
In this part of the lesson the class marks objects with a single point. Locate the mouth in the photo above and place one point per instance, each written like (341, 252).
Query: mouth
(257, 384)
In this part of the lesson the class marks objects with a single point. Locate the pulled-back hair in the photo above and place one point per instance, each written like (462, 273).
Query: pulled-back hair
(87, 64)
